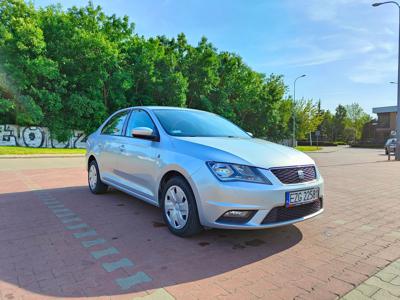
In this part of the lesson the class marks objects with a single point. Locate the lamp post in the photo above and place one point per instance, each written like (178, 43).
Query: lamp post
(294, 112)
(398, 85)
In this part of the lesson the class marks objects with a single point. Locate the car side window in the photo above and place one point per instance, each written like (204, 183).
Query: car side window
(115, 125)
(139, 118)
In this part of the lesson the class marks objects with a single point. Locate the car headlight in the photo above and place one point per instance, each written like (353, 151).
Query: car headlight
(234, 172)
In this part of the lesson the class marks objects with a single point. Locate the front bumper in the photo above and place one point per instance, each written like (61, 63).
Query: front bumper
(214, 198)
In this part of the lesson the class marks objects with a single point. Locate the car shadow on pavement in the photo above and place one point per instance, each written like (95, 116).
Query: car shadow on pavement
(68, 242)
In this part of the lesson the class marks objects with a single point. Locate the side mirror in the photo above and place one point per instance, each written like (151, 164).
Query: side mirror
(144, 133)
(249, 133)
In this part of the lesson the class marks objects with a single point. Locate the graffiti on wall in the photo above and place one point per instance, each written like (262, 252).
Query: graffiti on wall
(37, 137)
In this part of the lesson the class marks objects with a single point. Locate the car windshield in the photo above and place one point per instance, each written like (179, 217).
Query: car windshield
(179, 122)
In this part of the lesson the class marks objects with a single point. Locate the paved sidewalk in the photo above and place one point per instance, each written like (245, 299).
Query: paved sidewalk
(384, 285)
(57, 240)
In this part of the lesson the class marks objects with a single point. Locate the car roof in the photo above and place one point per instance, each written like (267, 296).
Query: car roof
(167, 108)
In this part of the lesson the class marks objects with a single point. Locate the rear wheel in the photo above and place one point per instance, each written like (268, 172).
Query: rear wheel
(96, 186)
(179, 208)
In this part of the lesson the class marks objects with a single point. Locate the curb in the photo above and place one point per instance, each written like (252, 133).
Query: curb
(327, 149)
(41, 156)
(320, 151)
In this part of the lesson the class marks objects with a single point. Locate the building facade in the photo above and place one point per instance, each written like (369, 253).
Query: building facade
(379, 130)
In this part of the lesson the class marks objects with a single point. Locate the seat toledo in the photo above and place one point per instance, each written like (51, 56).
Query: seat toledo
(202, 170)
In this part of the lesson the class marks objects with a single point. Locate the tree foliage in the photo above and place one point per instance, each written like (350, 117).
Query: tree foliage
(308, 117)
(69, 69)
(346, 124)
(356, 118)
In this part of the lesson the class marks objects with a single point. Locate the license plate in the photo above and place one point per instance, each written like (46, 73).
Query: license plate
(301, 197)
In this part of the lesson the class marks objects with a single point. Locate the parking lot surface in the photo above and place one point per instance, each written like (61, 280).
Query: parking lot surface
(59, 240)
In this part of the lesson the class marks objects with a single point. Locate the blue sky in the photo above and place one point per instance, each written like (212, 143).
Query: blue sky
(347, 48)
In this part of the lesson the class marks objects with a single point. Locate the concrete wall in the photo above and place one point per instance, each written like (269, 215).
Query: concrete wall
(37, 137)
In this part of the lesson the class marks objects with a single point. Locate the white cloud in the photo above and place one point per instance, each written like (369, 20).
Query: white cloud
(378, 68)
(328, 10)
(363, 38)
(370, 74)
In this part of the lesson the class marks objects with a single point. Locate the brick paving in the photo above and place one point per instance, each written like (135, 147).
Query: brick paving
(59, 240)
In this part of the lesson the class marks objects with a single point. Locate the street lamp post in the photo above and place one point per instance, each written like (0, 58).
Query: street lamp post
(294, 112)
(398, 80)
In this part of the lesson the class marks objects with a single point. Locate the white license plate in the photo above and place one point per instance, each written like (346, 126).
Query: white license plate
(301, 197)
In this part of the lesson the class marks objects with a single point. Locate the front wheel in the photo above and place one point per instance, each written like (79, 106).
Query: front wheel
(179, 208)
(96, 186)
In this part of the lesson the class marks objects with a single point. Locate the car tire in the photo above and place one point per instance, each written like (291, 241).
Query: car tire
(96, 186)
(184, 201)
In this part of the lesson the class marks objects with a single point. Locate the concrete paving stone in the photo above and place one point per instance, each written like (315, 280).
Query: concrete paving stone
(91, 243)
(384, 295)
(67, 214)
(77, 226)
(385, 276)
(356, 295)
(392, 269)
(89, 233)
(367, 290)
(122, 263)
(396, 281)
(158, 294)
(61, 210)
(71, 220)
(52, 202)
(104, 252)
(129, 282)
(55, 206)
(375, 281)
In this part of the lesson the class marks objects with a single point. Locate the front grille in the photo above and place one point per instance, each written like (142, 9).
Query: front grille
(293, 174)
(283, 213)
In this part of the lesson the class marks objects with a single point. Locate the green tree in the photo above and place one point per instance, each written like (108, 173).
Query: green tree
(201, 69)
(327, 126)
(356, 119)
(339, 122)
(22, 63)
(308, 118)
(69, 69)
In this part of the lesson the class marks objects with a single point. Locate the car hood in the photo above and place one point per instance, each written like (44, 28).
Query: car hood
(256, 152)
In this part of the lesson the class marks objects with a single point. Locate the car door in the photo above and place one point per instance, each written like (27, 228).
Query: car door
(110, 144)
(137, 164)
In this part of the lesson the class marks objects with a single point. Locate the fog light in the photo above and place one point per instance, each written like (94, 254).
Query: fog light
(237, 214)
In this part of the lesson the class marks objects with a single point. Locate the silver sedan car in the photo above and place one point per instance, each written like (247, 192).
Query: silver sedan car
(202, 170)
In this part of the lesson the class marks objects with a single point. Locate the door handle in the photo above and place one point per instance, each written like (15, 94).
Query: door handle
(122, 148)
